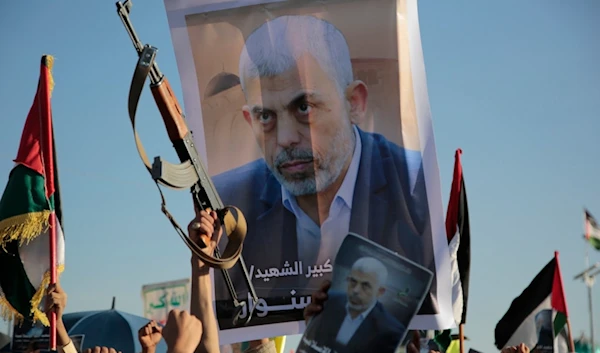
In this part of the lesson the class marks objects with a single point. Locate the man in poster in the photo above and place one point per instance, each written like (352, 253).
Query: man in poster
(320, 176)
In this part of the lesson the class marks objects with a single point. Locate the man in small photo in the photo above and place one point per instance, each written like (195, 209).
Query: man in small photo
(355, 320)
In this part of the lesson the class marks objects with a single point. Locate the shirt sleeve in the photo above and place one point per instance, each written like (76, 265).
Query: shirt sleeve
(69, 348)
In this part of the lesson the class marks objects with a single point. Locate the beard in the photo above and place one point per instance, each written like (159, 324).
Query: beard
(326, 168)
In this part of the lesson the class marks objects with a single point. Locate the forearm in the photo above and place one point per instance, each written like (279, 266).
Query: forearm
(62, 337)
(201, 306)
(63, 341)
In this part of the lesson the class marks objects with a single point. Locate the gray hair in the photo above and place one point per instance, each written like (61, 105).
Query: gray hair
(275, 47)
(374, 266)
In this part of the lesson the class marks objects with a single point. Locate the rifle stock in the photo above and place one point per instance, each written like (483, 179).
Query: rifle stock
(169, 107)
(190, 173)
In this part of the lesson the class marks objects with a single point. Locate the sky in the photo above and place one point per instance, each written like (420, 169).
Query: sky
(513, 83)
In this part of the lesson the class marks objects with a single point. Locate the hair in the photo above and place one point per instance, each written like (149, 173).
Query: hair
(275, 47)
(372, 265)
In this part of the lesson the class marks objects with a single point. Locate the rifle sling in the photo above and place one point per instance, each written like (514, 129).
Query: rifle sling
(235, 229)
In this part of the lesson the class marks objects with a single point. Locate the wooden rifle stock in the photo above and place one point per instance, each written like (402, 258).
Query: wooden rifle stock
(170, 110)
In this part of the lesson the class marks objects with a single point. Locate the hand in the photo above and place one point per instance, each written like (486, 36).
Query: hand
(522, 348)
(206, 227)
(182, 332)
(149, 336)
(317, 300)
(414, 346)
(56, 299)
(101, 350)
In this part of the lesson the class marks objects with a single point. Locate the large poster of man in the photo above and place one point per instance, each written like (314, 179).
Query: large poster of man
(314, 120)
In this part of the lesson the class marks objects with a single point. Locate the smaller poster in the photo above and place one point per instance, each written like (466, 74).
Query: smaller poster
(545, 332)
(160, 298)
(374, 295)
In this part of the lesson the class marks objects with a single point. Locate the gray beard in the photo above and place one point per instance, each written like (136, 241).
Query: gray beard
(327, 170)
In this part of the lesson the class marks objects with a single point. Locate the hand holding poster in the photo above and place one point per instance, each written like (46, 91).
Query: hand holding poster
(314, 120)
(373, 297)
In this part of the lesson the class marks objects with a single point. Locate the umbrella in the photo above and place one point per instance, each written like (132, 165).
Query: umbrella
(109, 328)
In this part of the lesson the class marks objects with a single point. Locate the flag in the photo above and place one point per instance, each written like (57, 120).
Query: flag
(538, 316)
(459, 241)
(592, 230)
(29, 207)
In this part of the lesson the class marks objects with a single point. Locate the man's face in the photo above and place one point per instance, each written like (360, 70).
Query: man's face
(363, 289)
(302, 122)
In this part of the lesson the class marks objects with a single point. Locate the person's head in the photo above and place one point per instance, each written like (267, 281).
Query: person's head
(366, 283)
(301, 100)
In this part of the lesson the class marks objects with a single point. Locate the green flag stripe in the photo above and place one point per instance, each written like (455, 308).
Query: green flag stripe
(24, 193)
(559, 322)
(594, 242)
(15, 284)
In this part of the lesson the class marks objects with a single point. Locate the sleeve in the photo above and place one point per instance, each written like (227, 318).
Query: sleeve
(68, 348)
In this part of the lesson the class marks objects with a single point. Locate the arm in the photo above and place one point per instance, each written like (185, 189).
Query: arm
(57, 300)
(204, 228)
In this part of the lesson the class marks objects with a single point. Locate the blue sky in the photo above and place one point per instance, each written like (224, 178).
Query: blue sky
(513, 83)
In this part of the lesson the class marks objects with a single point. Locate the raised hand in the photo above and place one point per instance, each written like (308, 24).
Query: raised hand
(182, 333)
(149, 336)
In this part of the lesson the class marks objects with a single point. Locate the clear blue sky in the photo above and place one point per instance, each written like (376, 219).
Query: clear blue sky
(513, 83)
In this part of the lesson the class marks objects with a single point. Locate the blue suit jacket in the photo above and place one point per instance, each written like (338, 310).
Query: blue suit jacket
(386, 209)
(379, 332)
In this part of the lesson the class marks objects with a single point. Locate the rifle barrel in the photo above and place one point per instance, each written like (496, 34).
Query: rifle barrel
(123, 11)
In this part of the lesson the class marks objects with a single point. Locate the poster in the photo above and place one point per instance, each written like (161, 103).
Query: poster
(160, 298)
(313, 118)
(373, 297)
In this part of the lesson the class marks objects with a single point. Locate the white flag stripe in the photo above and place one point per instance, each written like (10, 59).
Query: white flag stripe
(35, 256)
(457, 293)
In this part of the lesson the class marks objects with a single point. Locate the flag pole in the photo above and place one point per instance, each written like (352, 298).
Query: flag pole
(52, 278)
(570, 336)
(461, 337)
(52, 219)
(589, 281)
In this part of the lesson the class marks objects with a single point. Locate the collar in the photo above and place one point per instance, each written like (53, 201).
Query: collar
(364, 314)
(346, 191)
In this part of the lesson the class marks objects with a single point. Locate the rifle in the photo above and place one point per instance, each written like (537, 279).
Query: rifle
(190, 173)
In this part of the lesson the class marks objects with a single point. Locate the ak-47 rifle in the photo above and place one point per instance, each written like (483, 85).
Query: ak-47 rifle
(191, 173)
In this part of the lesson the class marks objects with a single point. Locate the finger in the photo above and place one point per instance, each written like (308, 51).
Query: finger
(208, 222)
(51, 288)
(325, 286)
(410, 348)
(112, 350)
(104, 350)
(214, 216)
(156, 329)
(206, 233)
(96, 349)
(416, 340)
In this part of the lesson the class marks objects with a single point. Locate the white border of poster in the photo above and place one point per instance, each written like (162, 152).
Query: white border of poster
(177, 10)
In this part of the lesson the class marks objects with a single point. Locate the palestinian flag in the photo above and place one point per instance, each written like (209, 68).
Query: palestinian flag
(459, 241)
(30, 213)
(592, 230)
(538, 316)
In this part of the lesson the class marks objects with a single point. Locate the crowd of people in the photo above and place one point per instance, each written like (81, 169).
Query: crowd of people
(196, 331)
